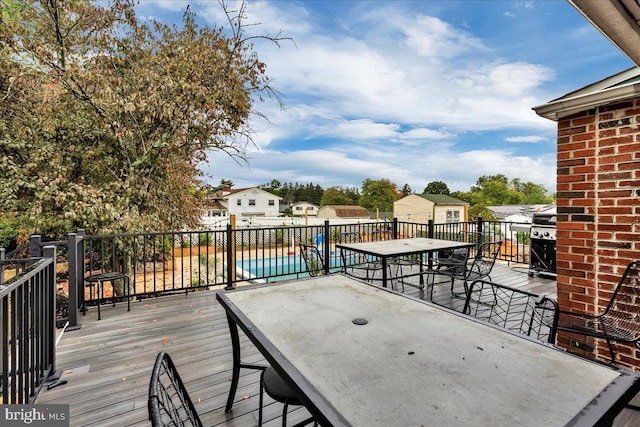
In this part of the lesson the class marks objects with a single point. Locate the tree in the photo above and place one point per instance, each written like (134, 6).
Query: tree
(436, 187)
(480, 211)
(377, 194)
(406, 190)
(338, 196)
(104, 119)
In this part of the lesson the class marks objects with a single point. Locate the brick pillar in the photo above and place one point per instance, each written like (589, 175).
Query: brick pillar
(598, 199)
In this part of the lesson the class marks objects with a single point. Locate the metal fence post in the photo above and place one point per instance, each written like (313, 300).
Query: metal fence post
(394, 230)
(34, 242)
(2, 258)
(430, 229)
(479, 224)
(326, 246)
(229, 258)
(51, 292)
(74, 277)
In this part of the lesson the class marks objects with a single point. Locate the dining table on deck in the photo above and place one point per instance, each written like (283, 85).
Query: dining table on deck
(386, 250)
(363, 355)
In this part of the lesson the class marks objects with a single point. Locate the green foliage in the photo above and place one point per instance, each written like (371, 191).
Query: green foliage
(293, 193)
(378, 194)
(340, 196)
(496, 190)
(406, 190)
(436, 187)
(105, 119)
(9, 231)
(480, 211)
(522, 237)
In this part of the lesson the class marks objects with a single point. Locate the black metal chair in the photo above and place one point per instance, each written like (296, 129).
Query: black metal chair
(273, 384)
(513, 309)
(169, 403)
(479, 267)
(312, 259)
(359, 265)
(620, 320)
(456, 258)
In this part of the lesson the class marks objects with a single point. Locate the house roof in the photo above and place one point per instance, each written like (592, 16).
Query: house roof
(349, 211)
(442, 199)
(243, 190)
(618, 20)
(613, 89)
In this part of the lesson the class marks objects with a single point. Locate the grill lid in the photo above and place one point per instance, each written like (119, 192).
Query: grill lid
(547, 217)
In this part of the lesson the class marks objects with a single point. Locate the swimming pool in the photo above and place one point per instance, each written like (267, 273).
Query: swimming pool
(281, 267)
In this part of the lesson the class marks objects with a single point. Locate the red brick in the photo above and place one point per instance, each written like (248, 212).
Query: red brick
(607, 133)
(629, 148)
(587, 136)
(620, 158)
(616, 141)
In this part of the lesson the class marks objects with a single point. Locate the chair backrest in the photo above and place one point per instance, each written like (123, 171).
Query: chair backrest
(312, 259)
(484, 260)
(381, 235)
(624, 306)
(169, 403)
(513, 309)
(462, 253)
(349, 237)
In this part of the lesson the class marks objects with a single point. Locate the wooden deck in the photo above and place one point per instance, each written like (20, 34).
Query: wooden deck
(107, 363)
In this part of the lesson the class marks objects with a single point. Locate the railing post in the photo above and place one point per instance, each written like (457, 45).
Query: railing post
(394, 230)
(326, 243)
(229, 258)
(430, 229)
(75, 263)
(479, 224)
(34, 242)
(2, 258)
(50, 328)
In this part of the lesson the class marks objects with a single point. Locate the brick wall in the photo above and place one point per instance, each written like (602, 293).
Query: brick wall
(598, 230)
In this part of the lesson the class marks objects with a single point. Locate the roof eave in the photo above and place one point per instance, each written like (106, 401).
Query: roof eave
(613, 19)
(564, 107)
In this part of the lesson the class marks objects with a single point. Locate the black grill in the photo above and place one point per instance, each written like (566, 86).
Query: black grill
(542, 244)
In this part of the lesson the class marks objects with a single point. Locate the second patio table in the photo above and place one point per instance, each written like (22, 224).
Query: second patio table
(388, 249)
(361, 355)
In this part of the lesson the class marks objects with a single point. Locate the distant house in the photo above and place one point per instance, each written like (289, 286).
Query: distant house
(242, 202)
(421, 208)
(343, 211)
(304, 209)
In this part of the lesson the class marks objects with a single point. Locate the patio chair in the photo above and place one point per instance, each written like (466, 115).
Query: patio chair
(479, 267)
(513, 309)
(169, 403)
(278, 389)
(456, 258)
(312, 259)
(620, 320)
(359, 265)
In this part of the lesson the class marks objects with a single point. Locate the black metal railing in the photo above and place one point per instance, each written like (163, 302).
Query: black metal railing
(188, 261)
(28, 323)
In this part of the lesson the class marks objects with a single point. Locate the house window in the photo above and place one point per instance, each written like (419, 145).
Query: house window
(239, 202)
(453, 216)
(298, 208)
(252, 202)
(272, 202)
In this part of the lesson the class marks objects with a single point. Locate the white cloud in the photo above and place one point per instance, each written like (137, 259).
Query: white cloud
(529, 138)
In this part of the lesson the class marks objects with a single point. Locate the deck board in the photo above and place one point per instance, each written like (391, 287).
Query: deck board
(107, 363)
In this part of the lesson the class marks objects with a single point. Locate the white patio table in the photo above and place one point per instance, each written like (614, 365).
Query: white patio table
(395, 248)
(363, 355)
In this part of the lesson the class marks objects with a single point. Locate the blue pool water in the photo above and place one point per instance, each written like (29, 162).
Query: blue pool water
(284, 266)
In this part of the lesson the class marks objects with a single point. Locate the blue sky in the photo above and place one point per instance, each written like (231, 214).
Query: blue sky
(410, 91)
